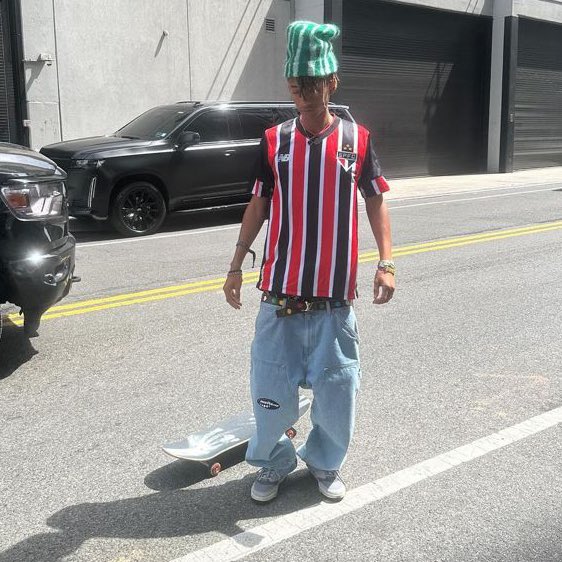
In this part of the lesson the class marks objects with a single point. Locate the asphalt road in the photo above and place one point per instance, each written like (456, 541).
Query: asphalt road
(469, 346)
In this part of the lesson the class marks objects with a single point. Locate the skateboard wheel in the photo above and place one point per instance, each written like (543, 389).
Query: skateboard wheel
(291, 433)
(215, 468)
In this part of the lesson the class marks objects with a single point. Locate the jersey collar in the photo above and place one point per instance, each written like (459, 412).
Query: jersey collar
(325, 134)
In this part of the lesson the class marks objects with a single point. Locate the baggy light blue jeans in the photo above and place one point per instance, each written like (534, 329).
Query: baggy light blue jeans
(317, 350)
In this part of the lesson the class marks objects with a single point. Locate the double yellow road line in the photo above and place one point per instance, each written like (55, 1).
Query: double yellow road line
(210, 285)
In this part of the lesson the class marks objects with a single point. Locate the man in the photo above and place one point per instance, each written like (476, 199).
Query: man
(308, 176)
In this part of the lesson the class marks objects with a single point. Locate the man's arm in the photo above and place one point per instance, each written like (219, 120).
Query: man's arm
(377, 211)
(254, 217)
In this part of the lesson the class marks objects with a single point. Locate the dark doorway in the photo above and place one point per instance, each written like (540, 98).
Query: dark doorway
(538, 96)
(11, 116)
(419, 80)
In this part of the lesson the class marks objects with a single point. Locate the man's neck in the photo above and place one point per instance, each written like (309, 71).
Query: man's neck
(316, 121)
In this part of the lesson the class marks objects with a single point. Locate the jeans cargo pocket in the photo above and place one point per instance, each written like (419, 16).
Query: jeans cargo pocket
(347, 322)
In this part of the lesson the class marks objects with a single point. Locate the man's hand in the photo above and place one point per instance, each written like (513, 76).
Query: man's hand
(231, 289)
(383, 287)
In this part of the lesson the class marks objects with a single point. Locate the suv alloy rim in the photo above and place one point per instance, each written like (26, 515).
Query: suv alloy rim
(140, 210)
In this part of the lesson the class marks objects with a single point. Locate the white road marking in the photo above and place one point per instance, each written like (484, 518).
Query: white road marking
(158, 236)
(282, 528)
(546, 185)
(392, 207)
(362, 210)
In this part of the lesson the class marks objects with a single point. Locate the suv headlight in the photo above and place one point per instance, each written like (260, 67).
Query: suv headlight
(32, 201)
(87, 163)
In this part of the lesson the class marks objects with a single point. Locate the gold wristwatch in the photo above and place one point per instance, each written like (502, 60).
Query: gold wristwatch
(387, 266)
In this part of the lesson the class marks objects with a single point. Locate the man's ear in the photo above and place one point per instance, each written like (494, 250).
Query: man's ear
(333, 85)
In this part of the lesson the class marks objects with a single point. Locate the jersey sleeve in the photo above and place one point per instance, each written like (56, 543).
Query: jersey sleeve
(371, 181)
(263, 174)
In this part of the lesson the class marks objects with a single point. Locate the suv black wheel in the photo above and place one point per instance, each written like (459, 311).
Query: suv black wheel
(138, 209)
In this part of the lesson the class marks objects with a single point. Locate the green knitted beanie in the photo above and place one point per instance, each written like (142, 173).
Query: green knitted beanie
(309, 49)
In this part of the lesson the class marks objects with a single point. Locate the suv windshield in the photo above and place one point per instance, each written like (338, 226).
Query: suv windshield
(156, 123)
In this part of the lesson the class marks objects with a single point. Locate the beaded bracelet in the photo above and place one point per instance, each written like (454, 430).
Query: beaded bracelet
(233, 272)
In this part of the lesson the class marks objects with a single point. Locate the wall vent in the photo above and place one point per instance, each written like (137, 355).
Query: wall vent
(270, 25)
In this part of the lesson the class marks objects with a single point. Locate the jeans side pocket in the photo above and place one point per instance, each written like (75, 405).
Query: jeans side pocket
(345, 317)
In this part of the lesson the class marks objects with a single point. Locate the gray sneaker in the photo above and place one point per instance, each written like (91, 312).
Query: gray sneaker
(266, 484)
(330, 482)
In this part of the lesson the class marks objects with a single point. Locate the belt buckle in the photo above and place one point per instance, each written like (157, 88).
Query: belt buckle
(308, 305)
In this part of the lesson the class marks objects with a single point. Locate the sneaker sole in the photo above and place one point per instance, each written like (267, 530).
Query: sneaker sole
(325, 493)
(264, 499)
(331, 496)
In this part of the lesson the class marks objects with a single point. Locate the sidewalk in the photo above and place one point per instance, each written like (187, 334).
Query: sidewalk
(442, 185)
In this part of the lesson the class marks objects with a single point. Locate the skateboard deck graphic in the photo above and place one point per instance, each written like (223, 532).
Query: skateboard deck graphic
(205, 446)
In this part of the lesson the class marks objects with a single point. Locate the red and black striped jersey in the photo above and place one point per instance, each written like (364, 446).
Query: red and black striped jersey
(311, 245)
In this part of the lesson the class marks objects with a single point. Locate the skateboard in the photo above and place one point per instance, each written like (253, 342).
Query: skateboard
(206, 446)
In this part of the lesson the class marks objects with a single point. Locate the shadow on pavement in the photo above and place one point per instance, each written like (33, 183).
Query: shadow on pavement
(175, 513)
(87, 229)
(15, 348)
(183, 473)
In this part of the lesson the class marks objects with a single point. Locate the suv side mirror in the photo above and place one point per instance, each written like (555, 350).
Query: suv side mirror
(188, 138)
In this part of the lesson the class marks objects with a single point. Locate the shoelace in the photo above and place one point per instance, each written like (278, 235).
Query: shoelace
(268, 475)
(333, 474)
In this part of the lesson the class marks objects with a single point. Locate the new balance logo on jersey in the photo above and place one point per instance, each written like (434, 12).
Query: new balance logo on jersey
(283, 158)
(346, 159)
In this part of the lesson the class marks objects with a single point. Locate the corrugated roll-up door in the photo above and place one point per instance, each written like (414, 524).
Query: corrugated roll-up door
(538, 96)
(7, 93)
(419, 80)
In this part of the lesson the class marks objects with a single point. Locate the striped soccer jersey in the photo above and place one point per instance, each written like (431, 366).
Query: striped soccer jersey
(312, 183)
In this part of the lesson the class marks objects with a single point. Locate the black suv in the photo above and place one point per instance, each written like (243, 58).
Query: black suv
(187, 155)
(36, 249)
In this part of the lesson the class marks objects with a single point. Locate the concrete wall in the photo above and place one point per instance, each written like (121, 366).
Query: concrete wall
(113, 59)
(40, 77)
(548, 10)
(236, 58)
(479, 7)
(311, 10)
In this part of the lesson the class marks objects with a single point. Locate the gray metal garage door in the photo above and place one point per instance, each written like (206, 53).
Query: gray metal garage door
(418, 78)
(538, 96)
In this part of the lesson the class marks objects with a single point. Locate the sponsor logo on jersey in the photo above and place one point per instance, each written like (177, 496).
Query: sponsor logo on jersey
(283, 157)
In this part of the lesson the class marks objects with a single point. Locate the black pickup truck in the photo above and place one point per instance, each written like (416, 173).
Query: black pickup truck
(36, 249)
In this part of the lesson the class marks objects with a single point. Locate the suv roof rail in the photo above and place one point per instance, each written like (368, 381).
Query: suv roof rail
(253, 102)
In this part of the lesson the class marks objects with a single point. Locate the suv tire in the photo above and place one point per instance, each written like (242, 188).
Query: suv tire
(138, 209)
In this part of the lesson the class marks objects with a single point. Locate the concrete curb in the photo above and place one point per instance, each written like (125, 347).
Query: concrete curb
(442, 185)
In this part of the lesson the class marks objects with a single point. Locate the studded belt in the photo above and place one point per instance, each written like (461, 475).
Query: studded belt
(297, 305)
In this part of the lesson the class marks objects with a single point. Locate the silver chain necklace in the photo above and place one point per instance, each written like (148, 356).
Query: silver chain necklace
(311, 135)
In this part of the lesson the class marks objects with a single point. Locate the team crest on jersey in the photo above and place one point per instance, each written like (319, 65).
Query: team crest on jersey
(347, 157)
(283, 157)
